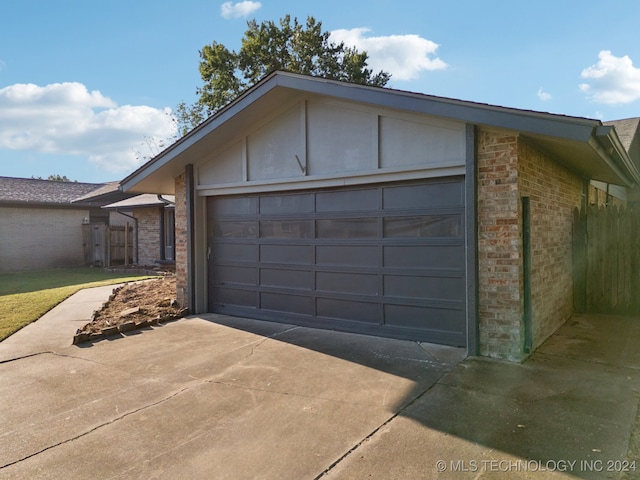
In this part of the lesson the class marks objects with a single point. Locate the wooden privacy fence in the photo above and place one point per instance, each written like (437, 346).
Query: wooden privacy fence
(606, 260)
(105, 246)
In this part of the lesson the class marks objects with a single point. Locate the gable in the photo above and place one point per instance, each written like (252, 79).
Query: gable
(320, 138)
(583, 145)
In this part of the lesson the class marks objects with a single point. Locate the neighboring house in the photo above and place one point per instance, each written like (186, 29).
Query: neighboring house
(154, 220)
(383, 212)
(41, 221)
(629, 133)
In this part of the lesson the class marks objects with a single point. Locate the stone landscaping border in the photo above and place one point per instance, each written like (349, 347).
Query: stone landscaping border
(82, 337)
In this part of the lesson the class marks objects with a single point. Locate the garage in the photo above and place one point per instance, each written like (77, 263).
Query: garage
(319, 203)
(384, 259)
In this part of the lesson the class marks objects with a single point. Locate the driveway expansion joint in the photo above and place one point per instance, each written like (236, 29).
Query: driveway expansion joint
(95, 428)
(44, 352)
(343, 457)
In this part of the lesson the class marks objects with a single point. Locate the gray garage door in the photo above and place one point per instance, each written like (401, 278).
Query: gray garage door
(384, 259)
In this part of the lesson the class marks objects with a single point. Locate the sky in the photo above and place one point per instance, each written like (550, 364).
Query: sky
(88, 87)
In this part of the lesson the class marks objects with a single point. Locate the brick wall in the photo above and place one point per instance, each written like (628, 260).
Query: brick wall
(181, 241)
(554, 192)
(509, 168)
(148, 235)
(499, 246)
(37, 238)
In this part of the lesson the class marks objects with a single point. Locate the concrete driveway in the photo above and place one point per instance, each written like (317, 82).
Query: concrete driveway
(220, 397)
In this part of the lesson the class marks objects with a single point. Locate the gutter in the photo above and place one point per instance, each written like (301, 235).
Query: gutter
(607, 143)
(164, 200)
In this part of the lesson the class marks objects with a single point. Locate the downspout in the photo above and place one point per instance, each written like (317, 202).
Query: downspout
(526, 269)
(135, 222)
(164, 200)
(161, 233)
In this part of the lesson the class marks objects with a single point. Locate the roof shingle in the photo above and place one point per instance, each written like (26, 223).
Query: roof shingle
(43, 192)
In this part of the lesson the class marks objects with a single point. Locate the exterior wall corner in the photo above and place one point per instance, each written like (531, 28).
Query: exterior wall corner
(182, 273)
(500, 306)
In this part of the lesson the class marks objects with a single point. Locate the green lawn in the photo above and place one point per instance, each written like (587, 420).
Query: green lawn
(26, 296)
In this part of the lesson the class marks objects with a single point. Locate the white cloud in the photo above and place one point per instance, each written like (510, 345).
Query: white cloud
(239, 9)
(403, 56)
(66, 118)
(614, 80)
(544, 96)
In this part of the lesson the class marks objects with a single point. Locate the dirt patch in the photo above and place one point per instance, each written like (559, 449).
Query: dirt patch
(134, 305)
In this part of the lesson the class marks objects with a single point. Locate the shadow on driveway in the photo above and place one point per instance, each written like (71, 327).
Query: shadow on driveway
(221, 397)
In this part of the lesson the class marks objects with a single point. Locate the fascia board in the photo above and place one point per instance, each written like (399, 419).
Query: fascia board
(570, 128)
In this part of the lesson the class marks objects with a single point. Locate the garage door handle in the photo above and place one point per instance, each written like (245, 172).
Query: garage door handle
(208, 253)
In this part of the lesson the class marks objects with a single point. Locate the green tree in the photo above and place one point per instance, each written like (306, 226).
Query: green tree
(55, 178)
(266, 47)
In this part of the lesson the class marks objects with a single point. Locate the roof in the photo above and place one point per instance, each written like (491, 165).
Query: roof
(589, 147)
(108, 193)
(629, 132)
(143, 201)
(31, 191)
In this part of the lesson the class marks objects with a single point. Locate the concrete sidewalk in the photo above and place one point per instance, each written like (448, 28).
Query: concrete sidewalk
(221, 397)
(57, 327)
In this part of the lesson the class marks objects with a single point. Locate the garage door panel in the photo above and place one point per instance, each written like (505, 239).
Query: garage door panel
(357, 283)
(287, 302)
(344, 228)
(438, 319)
(424, 226)
(347, 201)
(416, 287)
(234, 252)
(437, 194)
(233, 296)
(234, 229)
(347, 255)
(286, 229)
(286, 204)
(236, 274)
(241, 205)
(358, 311)
(280, 277)
(287, 254)
(424, 256)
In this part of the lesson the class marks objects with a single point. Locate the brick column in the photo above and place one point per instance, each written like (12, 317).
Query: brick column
(181, 241)
(499, 246)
